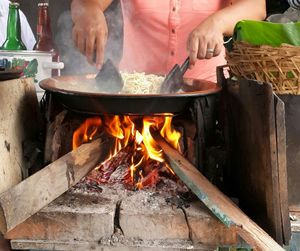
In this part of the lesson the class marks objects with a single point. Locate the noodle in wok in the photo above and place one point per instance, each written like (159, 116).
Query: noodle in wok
(141, 83)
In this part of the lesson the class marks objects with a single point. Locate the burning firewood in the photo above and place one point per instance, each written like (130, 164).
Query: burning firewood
(105, 172)
(138, 162)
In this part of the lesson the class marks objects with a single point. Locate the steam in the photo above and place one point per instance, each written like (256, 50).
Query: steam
(75, 62)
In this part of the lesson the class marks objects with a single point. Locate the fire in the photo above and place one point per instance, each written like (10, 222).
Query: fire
(170, 134)
(86, 131)
(152, 150)
(133, 138)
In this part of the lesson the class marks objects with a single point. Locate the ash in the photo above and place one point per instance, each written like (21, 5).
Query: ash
(173, 192)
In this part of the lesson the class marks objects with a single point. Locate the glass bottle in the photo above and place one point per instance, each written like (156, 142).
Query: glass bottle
(13, 36)
(44, 34)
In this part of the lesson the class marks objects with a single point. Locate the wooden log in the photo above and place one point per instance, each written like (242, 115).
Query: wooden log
(50, 144)
(19, 122)
(220, 205)
(28, 197)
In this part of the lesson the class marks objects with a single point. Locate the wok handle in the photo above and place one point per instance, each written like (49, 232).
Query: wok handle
(53, 65)
(185, 66)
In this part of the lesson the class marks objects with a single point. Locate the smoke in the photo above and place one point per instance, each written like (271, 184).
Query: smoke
(75, 62)
(114, 19)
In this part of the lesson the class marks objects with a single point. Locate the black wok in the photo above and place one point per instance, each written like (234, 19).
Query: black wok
(79, 93)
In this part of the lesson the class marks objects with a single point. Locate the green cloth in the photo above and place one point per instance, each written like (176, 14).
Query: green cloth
(267, 33)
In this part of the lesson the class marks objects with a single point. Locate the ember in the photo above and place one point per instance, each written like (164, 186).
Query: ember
(136, 160)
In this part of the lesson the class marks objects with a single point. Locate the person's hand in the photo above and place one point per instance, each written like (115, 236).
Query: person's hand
(205, 41)
(89, 30)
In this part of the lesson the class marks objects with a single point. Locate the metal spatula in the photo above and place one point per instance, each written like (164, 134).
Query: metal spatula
(109, 78)
(174, 79)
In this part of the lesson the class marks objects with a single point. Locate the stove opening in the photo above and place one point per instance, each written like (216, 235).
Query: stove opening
(136, 160)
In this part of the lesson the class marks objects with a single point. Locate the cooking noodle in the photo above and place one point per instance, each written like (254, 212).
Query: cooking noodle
(141, 83)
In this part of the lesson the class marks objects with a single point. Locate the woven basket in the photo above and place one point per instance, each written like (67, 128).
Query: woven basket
(279, 66)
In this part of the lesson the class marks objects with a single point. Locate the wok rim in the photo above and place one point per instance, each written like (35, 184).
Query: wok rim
(48, 84)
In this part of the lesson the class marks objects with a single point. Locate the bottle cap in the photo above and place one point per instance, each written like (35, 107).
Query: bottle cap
(43, 4)
(14, 4)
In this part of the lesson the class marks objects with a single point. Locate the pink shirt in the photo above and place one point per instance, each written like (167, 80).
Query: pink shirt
(156, 33)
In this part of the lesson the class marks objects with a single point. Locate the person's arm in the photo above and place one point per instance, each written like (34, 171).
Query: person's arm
(206, 40)
(90, 28)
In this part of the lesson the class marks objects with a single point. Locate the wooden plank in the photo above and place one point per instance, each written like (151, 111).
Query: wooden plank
(292, 119)
(217, 202)
(28, 197)
(254, 153)
(282, 169)
(19, 122)
(50, 147)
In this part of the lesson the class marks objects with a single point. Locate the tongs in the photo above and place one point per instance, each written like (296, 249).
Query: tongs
(174, 79)
(109, 78)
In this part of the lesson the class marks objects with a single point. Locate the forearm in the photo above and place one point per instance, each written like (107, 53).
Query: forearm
(237, 11)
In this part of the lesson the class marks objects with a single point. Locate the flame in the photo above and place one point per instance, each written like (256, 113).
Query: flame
(86, 131)
(135, 134)
(138, 137)
(113, 127)
(149, 142)
(134, 167)
(129, 129)
(171, 135)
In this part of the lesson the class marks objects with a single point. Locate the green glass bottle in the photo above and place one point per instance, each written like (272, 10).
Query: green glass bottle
(13, 37)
